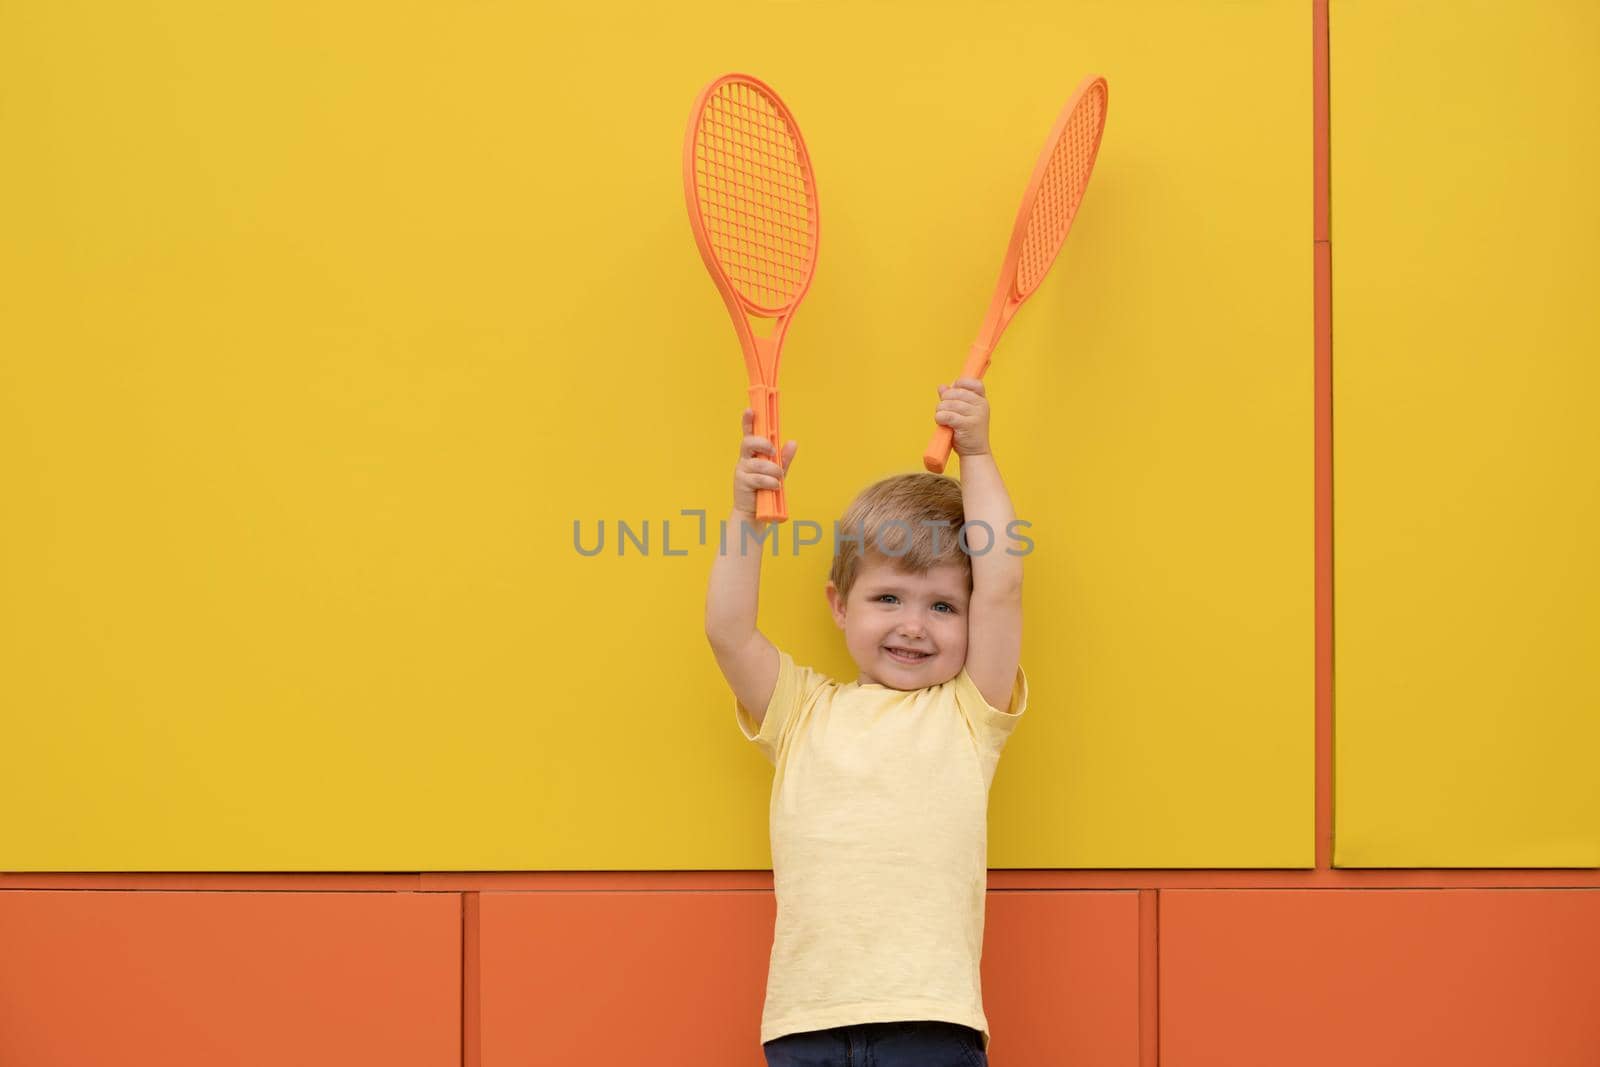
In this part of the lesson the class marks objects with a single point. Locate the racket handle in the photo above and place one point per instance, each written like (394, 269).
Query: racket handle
(771, 504)
(937, 454)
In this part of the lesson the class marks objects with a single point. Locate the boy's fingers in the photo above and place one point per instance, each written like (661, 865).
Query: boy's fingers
(759, 448)
(975, 384)
(754, 463)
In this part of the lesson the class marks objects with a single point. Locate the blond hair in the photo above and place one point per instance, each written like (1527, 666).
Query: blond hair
(923, 509)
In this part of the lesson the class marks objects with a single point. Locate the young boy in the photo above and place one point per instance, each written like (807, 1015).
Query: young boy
(879, 803)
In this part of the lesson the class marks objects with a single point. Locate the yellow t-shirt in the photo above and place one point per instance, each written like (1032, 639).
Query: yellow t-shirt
(879, 824)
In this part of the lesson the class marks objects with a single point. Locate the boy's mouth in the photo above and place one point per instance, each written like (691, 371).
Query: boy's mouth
(905, 655)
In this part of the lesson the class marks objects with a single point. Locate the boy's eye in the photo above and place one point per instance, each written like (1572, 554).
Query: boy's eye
(947, 607)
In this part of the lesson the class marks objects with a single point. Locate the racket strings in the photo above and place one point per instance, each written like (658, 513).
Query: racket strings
(1061, 190)
(755, 197)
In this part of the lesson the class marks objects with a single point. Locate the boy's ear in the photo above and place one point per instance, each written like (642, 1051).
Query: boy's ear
(835, 604)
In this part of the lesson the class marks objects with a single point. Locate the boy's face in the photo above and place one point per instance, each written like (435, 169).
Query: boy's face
(890, 611)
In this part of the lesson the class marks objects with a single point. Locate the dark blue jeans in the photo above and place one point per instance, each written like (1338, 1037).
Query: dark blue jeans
(911, 1044)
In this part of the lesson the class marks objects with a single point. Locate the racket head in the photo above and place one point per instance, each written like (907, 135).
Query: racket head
(1056, 187)
(751, 194)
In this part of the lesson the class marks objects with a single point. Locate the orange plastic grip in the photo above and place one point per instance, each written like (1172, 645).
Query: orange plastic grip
(937, 454)
(771, 504)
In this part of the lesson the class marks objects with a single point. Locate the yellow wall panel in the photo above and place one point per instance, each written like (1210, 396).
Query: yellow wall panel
(1467, 467)
(323, 324)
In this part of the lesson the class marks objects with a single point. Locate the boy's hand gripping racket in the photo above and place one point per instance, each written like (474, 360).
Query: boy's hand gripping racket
(1049, 205)
(753, 208)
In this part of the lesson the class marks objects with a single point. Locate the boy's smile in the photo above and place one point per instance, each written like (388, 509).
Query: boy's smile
(904, 630)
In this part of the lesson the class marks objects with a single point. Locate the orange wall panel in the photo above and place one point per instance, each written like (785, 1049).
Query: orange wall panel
(679, 978)
(1373, 977)
(239, 978)
(623, 977)
(1061, 978)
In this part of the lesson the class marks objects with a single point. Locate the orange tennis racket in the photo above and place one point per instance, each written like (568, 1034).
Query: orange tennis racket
(753, 208)
(1049, 204)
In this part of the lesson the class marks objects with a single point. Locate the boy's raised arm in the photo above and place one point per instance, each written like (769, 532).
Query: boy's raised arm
(746, 658)
(994, 623)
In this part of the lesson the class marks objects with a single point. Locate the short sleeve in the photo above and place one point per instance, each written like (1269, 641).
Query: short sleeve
(795, 685)
(991, 725)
